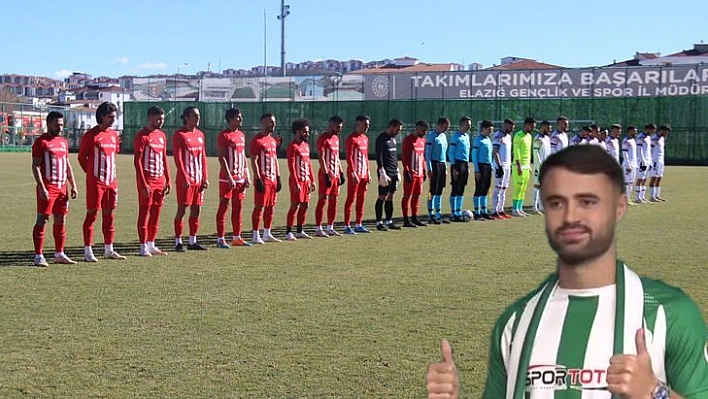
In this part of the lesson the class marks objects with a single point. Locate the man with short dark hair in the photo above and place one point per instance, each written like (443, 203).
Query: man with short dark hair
(152, 175)
(266, 175)
(97, 157)
(522, 143)
(330, 176)
(541, 151)
(643, 141)
(482, 163)
(629, 159)
(594, 329)
(657, 156)
(612, 141)
(413, 160)
(51, 170)
(459, 155)
(435, 162)
(387, 166)
(234, 179)
(501, 153)
(358, 175)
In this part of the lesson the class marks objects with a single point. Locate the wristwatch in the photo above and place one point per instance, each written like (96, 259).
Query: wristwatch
(661, 391)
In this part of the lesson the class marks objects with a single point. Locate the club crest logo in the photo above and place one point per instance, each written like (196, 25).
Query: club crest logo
(379, 86)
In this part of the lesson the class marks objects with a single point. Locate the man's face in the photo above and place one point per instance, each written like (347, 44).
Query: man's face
(545, 129)
(109, 119)
(615, 132)
(55, 126)
(156, 121)
(394, 130)
(362, 126)
(236, 122)
(581, 213)
(562, 125)
(268, 124)
(304, 133)
(464, 126)
(442, 127)
(335, 127)
(421, 131)
(508, 128)
(663, 133)
(192, 119)
(528, 127)
(631, 133)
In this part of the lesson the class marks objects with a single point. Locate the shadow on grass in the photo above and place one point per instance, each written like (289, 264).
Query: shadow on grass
(24, 258)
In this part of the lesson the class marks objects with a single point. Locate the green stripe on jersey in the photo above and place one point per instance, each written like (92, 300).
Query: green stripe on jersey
(577, 326)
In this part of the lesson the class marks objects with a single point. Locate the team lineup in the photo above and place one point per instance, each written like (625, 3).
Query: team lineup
(497, 160)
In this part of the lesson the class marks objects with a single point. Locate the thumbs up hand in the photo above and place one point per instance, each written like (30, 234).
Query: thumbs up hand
(632, 376)
(442, 381)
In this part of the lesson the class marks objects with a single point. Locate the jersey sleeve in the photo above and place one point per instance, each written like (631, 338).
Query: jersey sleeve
(474, 154)
(686, 358)
(380, 150)
(38, 148)
(85, 150)
(429, 143)
(290, 155)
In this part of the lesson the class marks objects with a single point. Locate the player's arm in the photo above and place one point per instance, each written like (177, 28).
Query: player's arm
(222, 153)
(84, 151)
(320, 155)
(475, 158)
(178, 154)
(205, 167)
(517, 154)
(380, 151)
(166, 168)
(428, 154)
(37, 173)
(138, 149)
(349, 148)
(291, 157)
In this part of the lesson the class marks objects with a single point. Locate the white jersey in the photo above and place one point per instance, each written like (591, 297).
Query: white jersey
(602, 144)
(541, 149)
(657, 148)
(593, 141)
(578, 140)
(629, 153)
(643, 141)
(559, 140)
(612, 147)
(502, 142)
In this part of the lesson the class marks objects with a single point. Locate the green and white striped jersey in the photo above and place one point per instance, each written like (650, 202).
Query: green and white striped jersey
(575, 337)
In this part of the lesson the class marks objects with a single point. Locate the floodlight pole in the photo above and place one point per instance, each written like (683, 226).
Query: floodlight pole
(284, 12)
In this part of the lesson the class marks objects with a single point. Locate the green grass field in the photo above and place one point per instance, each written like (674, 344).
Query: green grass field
(352, 317)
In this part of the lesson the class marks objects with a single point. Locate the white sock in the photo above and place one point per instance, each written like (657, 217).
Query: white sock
(658, 191)
(266, 232)
(330, 227)
(108, 248)
(178, 240)
(235, 238)
(150, 244)
(38, 256)
(192, 240)
(144, 247)
(59, 254)
(88, 250)
(256, 235)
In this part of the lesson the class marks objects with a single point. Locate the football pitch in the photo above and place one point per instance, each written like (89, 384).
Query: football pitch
(356, 316)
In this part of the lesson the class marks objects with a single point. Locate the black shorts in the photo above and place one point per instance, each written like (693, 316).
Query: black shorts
(458, 185)
(392, 185)
(437, 182)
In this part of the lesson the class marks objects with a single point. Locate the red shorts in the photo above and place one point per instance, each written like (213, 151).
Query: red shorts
(299, 192)
(189, 195)
(268, 196)
(156, 198)
(332, 190)
(101, 197)
(226, 192)
(58, 203)
(414, 187)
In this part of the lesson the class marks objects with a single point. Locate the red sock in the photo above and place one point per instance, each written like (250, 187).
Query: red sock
(59, 231)
(38, 238)
(154, 222)
(404, 205)
(221, 219)
(236, 216)
(179, 227)
(319, 211)
(88, 227)
(414, 205)
(301, 213)
(268, 217)
(331, 210)
(142, 223)
(290, 217)
(193, 225)
(256, 217)
(109, 230)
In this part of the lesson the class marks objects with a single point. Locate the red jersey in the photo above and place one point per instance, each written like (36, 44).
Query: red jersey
(413, 155)
(150, 157)
(235, 144)
(328, 148)
(357, 148)
(53, 152)
(189, 152)
(299, 165)
(97, 156)
(264, 149)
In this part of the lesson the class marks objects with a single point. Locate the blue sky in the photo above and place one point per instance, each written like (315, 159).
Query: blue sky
(159, 36)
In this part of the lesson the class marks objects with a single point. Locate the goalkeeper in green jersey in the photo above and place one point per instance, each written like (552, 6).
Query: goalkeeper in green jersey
(522, 144)
(593, 329)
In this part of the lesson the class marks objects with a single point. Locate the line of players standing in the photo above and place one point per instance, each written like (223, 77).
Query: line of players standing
(425, 155)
